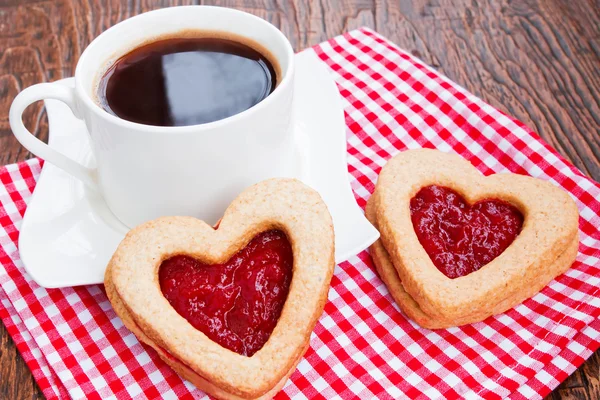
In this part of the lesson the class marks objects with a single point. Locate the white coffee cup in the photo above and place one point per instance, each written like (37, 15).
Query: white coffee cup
(144, 171)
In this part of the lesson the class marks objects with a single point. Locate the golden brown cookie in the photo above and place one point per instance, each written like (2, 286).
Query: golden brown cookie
(133, 287)
(545, 247)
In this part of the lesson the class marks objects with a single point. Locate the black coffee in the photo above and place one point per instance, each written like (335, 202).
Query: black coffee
(186, 81)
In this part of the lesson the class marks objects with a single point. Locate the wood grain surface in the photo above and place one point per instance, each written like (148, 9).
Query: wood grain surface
(538, 60)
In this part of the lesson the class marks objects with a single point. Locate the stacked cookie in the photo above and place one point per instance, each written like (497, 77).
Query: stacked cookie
(544, 245)
(192, 343)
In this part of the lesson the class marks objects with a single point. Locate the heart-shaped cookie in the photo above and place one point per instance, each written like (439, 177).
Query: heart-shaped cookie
(545, 246)
(251, 238)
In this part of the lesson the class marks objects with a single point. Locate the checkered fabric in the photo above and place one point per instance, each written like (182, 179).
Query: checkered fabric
(362, 347)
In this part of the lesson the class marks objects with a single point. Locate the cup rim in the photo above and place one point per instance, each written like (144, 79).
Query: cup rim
(100, 112)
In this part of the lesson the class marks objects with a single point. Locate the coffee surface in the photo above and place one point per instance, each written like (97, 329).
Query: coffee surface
(186, 81)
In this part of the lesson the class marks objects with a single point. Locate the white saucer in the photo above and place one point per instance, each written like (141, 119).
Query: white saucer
(68, 233)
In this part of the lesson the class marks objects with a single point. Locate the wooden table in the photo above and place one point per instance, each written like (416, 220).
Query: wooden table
(538, 60)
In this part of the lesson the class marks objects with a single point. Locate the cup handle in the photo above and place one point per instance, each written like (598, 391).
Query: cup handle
(35, 93)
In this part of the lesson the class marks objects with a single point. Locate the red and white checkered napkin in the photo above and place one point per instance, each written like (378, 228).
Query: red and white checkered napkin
(362, 347)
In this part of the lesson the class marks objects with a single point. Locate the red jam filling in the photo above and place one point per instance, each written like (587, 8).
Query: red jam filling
(236, 304)
(461, 238)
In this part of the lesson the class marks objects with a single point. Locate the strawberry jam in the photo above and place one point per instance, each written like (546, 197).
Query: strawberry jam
(236, 304)
(458, 237)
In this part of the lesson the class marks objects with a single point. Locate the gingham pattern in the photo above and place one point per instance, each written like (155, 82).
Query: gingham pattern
(362, 347)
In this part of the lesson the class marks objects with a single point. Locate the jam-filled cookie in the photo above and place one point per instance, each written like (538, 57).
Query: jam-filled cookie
(457, 247)
(230, 309)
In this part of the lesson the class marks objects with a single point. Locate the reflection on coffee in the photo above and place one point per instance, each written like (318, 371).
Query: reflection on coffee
(186, 81)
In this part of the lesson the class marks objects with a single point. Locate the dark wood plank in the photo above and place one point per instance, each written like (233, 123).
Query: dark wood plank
(538, 60)
(591, 373)
(16, 380)
(579, 393)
